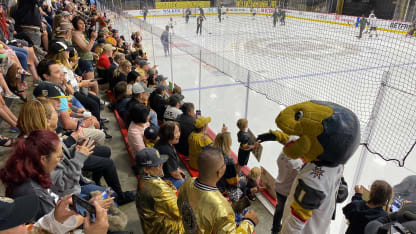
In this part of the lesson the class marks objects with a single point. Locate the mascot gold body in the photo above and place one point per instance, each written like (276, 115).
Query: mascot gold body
(325, 135)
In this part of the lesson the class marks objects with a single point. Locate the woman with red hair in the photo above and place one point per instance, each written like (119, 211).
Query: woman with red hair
(29, 168)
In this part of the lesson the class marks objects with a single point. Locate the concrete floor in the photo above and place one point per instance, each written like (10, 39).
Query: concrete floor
(126, 175)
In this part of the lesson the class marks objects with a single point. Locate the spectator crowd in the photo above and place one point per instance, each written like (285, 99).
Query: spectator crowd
(71, 51)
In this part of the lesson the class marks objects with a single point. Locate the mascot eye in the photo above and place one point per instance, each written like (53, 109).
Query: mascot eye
(298, 115)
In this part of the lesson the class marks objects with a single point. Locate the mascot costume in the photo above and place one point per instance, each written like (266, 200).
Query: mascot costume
(325, 135)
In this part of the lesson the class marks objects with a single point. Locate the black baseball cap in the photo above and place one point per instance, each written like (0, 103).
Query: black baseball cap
(177, 96)
(48, 89)
(160, 78)
(151, 132)
(18, 211)
(59, 46)
(150, 157)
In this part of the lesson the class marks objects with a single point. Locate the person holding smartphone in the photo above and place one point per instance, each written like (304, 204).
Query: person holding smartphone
(360, 212)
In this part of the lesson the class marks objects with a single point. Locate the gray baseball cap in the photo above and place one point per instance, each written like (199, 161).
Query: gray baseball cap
(150, 157)
(140, 88)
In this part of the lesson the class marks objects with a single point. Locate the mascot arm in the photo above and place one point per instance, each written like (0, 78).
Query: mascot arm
(306, 199)
(279, 136)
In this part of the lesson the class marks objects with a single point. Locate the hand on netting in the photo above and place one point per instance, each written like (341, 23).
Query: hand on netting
(266, 137)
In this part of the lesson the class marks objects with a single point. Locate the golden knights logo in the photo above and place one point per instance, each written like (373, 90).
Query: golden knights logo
(188, 218)
(317, 172)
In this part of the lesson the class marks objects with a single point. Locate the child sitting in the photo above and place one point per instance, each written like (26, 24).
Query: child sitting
(360, 212)
(246, 144)
(249, 184)
(151, 136)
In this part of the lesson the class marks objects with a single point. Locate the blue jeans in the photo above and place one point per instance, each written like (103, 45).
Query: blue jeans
(75, 102)
(85, 66)
(153, 119)
(166, 48)
(22, 55)
(87, 189)
(177, 183)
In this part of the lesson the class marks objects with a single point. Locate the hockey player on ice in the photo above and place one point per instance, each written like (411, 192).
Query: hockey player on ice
(253, 12)
(187, 14)
(282, 16)
(372, 22)
(199, 21)
(275, 17)
(362, 23)
(170, 24)
(219, 13)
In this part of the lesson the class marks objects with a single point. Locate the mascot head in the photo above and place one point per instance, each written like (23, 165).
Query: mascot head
(322, 131)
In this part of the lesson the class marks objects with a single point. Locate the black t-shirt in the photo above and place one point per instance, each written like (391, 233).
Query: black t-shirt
(226, 182)
(158, 104)
(130, 105)
(187, 126)
(173, 162)
(27, 13)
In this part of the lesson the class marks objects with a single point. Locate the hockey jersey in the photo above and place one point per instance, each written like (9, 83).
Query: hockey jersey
(314, 189)
(372, 20)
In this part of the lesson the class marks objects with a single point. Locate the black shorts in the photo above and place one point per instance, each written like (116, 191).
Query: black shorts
(243, 157)
(373, 28)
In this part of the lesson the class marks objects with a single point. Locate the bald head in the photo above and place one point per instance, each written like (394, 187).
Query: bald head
(211, 164)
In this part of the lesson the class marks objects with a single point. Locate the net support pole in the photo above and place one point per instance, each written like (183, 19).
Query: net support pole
(171, 61)
(407, 10)
(372, 123)
(368, 135)
(200, 79)
(247, 94)
(153, 45)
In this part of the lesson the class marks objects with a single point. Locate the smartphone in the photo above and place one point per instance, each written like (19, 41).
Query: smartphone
(107, 193)
(395, 205)
(241, 204)
(89, 141)
(79, 124)
(96, 26)
(83, 207)
(198, 113)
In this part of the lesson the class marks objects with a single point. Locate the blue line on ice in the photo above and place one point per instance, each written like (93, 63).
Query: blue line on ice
(302, 76)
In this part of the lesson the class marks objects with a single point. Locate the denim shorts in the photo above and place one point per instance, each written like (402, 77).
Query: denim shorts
(85, 66)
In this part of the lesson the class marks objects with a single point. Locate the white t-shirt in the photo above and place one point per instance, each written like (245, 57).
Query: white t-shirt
(70, 78)
(171, 113)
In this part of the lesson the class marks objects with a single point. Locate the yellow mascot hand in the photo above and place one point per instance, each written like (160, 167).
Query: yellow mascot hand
(273, 136)
(281, 137)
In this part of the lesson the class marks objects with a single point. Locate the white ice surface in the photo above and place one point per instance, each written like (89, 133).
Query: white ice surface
(299, 49)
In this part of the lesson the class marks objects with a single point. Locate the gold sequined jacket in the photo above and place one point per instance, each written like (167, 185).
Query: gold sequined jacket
(156, 204)
(204, 210)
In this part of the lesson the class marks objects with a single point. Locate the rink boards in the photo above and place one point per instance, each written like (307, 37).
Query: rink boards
(345, 20)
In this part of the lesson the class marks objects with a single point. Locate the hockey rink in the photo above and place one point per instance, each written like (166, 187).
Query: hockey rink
(299, 61)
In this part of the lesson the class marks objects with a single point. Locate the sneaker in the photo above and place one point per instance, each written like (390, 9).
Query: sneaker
(107, 136)
(126, 197)
(104, 119)
(11, 96)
